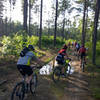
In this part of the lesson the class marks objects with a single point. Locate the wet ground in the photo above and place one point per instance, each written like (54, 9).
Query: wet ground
(74, 87)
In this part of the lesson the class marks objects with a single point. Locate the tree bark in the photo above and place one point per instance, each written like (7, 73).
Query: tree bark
(40, 24)
(94, 39)
(55, 30)
(63, 27)
(83, 27)
(25, 15)
(29, 16)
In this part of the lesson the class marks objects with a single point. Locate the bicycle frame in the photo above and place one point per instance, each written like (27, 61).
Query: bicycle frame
(22, 87)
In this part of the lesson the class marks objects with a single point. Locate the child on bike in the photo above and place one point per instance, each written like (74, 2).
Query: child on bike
(61, 57)
(24, 61)
(82, 52)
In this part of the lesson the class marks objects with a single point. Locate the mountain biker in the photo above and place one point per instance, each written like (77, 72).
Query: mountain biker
(61, 57)
(77, 47)
(69, 44)
(82, 52)
(23, 63)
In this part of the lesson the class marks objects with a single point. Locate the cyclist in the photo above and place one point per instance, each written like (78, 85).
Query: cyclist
(82, 52)
(77, 47)
(61, 58)
(72, 44)
(69, 45)
(23, 63)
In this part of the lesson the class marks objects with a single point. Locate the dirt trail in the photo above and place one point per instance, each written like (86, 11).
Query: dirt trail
(77, 84)
(75, 87)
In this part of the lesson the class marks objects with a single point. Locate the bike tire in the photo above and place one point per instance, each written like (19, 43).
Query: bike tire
(83, 67)
(18, 92)
(56, 74)
(69, 69)
(33, 84)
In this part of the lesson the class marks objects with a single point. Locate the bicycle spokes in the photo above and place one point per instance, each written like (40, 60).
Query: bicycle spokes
(18, 92)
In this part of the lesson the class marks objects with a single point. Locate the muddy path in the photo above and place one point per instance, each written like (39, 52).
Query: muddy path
(77, 87)
(74, 87)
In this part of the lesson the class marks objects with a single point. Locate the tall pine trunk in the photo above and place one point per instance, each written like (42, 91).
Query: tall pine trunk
(25, 15)
(55, 30)
(63, 27)
(83, 27)
(95, 31)
(29, 17)
(40, 24)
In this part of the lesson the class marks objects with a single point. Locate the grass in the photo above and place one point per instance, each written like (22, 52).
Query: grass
(94, 81)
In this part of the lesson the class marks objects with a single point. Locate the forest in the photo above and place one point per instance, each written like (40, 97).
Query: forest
(48, 25)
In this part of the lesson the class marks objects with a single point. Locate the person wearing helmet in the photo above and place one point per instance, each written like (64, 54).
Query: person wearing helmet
(23, 63)
(60, 58)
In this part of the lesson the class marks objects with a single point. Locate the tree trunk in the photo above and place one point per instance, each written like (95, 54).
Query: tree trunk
(55, 30)
(95, 31)
(29, 17)
(86, 22)
(6, 25)
(25, 15)
(63, 27)
(40, 24)
(83, 27)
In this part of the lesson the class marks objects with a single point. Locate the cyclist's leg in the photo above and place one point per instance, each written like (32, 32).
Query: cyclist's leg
(29, 72)
(20, 69)
(85, 58)
(81, 58)
(25, 70)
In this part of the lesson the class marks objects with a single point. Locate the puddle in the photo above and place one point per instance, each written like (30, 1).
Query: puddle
(47, 69)
(71, 71)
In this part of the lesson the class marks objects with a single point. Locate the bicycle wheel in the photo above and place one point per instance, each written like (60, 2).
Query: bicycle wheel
(18, 92)
(83, 66)
(68, 69)
(56, 74)
(33, 84)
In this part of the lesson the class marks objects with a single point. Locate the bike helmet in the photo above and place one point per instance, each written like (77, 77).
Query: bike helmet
(31, 47)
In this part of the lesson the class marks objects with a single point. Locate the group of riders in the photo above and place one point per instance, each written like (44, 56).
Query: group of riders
(27, 55)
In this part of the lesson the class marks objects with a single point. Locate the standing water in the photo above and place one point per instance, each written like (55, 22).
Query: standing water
(47, 69)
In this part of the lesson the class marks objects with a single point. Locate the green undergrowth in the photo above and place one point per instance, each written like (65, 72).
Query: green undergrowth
(94, 70)
(94, 80)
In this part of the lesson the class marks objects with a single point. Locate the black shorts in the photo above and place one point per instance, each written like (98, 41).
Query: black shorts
(25, 70)
(83, 55)
(77, 49)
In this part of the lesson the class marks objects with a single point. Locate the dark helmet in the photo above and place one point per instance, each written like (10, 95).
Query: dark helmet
(31, 47)
(65, 46)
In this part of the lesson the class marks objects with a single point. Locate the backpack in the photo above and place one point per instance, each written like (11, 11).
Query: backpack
(83, 50)
(60, 59)
(24, 51)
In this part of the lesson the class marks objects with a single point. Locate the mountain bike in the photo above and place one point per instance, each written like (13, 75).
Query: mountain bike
(57, 71)
(22, 87)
